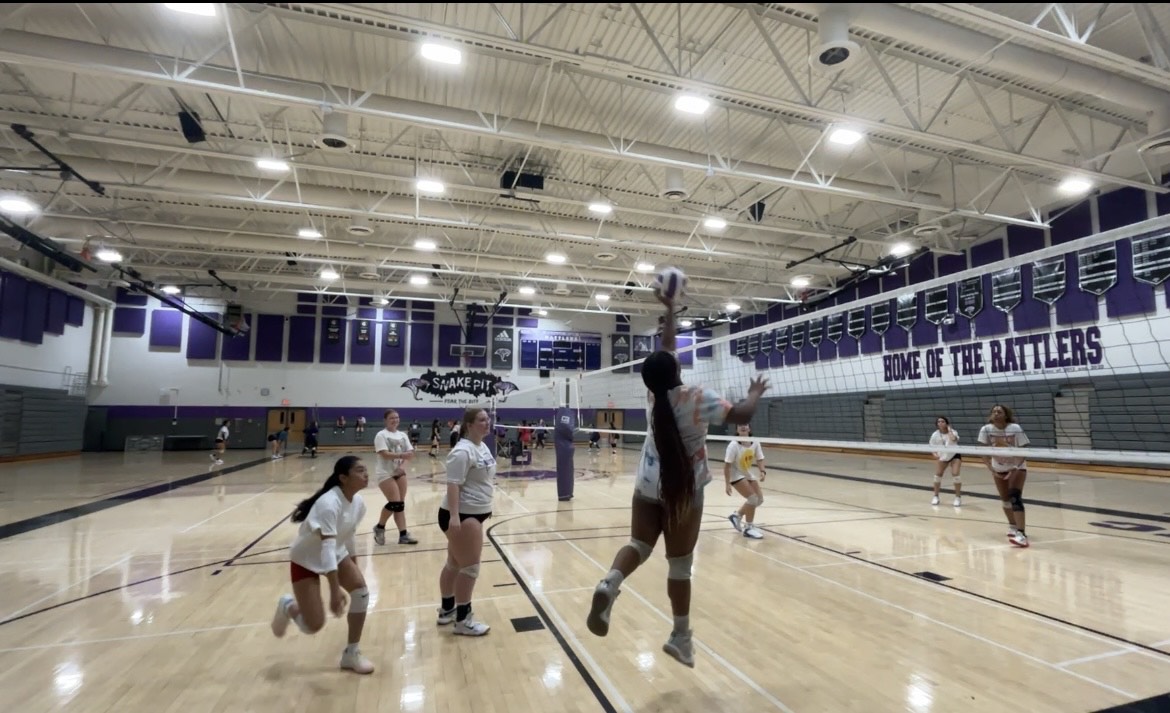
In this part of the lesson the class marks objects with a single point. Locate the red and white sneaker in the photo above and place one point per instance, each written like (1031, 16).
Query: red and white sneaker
(1018, 539)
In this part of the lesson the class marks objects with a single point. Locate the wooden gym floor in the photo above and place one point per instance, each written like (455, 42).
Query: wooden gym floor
(145, 582)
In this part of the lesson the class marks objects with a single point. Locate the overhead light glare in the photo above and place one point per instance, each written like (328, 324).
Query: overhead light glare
(202, 9)
(108, 255)
(527, 290)
(424, 244)
(419, 280)
(845, 137)
(556, 258)
(731, 307)
(309, 233)
(1075, 186)
(441, 54)
(901, 249)
(800, 281)
(714, 222)
(602, 297)
(329, 274)
(600, 208)
(17, 206)
(644, 267)
(691, 104)
(429, 185)
(171, 289)
(273, 165)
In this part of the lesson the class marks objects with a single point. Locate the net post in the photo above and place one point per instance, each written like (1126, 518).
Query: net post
(564, 428)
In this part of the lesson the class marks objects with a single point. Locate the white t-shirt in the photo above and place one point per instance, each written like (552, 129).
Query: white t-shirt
(694, 408)
(743, 459)
(1010, 437)
(950, 438)
(473, 469)
(332, 515)
(395, 442)
(223, 433)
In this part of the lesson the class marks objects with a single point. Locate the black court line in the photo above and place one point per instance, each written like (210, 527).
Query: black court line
(20, 527)
(253, 543)
(1042, 503)
(984, 597)
(587, 677)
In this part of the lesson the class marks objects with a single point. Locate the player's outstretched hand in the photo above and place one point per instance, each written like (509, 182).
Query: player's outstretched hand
(758, 386)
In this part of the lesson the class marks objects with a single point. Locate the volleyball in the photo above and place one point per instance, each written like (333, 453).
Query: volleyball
(671, 283)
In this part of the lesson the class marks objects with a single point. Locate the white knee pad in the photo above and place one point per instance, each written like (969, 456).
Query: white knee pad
(680, 567)
(359, 600)
(938, 479)
(1007, 505)
(755, 500)
(956, 478)
(471, 570)
(641, 548)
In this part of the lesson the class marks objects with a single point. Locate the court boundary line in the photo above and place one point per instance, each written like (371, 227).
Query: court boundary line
(21, 527)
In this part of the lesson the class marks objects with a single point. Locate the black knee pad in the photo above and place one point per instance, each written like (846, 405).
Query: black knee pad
(397, 506)
(1017, 501)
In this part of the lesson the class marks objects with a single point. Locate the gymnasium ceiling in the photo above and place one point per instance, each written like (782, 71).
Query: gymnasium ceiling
(971, 117)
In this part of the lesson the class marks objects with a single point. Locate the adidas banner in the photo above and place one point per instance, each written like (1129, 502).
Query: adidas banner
(621, 351)
(501, 348)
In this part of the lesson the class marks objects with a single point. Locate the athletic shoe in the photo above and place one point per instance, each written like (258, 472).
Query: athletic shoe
(681, 648)
(1019, 539)
(471, 627)
(353, 660)
(1012, 532)
(407, 540)
(934, 500)
(446, 617)
(958, 501)
(280, 619)
(218, 462)
(752, 532)
(603, 598)
(211, 456)
(379, 535)
(735, 521)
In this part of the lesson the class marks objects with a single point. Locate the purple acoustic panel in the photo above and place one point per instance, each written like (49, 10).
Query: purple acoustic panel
(1076, 222)
(1022, 240)
(1075, 306)
(922, 268)
(1031, 313)
(923, 333)
(449, 334)
(239, 347)
(869, 287)
(202, 340)
(166, 329)
(55, 314)
(960, 329)
(1128, 297)
(335, 311)
(702, 334)
(125, 297)
(130, 321)
(396, 355)
(871, 341)
(479, 337)
(270, 337)
(302, 339)
(367, 312)
(1124, 206)
(686, 358)
(991, 322)
(986, 253)
(306, 309)
(75, 312)
(394, 313)
(308, 297)
(363, 353)
(13, 295)
(36, 307)
(332, 350)
(502, 321)
(950, 264)
(527, 322)
(422, 344)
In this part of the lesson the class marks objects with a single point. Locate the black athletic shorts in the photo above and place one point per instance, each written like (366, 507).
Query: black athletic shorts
(445, 517)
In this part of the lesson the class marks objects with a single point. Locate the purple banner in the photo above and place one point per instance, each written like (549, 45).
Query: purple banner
(166, 329)
(270, 337)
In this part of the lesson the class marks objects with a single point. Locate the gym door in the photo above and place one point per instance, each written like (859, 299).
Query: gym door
(293, 417)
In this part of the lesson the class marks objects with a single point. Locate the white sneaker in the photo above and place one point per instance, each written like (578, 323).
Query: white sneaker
(445, 617)
(280, 619)
(681, 648)
(1019, 539)
(379, 535)
(934, 500)
(603, 598)
(471, 627)
(218, 462)
(753, 532)
(353, 660)
(1012, 532)
(735, 521)
(958, 501)
(211, 456)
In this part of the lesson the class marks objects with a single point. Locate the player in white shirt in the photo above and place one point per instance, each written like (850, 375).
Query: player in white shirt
(738, 460)
(471, 474)
(394, 450)
(946, 435)
(1008, 472)
(221, 440)
(668, 492)
(325, 547)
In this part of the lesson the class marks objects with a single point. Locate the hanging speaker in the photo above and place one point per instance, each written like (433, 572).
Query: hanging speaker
(192, 129)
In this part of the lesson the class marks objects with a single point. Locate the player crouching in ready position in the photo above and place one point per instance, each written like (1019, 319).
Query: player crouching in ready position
(738, 460)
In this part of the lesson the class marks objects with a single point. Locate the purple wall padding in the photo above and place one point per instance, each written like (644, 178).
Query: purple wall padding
(310, 297)
(1022, 240)
(1124, 206)
(479, 335)
(1031, 313)
(129, 321)
(302, 332)
(125, 297)
(896, 337)
(166, 329)
(239, 347)
(871, 341)
(686, 358)
(202, 340)
(13, 294)
(1075, 306)
(36, 307)
(950, 264)
(990, 322)
(55, 315)
(396, 313)
(363, 353)
(422, 344)
(1128, 297)
(332, 353)
(501, 321)
(367, 312)
(449, 334)
(335, 311)
(306, 309)
(960, 329)
(75, 312)
(1076, 222)
(396, 356)
(922, 268)
(986, 253)
(701, 352)
(924, 334)
(270, 337)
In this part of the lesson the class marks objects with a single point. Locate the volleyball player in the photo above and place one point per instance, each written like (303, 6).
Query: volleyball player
(471, 472)
(394, 449)
(945, 435)
(1009, 473)
(325, 546)
(668, 493)
(221, 440)
(738, 460)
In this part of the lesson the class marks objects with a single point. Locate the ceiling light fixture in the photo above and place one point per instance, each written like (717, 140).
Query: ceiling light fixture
(714, 222)
(901, 249)
(600, 207)
(424, 244)
(644, 267)
(309, 233)
(430, 185)
(16, 205)
(731, 307)
(329, 274)
(691, 104)
(202, 9)
(171, 289)
(108, 255)
(542, 312)
(845, 137)
(556, 258)
(1075, 186)
(686, 323)
(441, 54)
(527, 290)
(602, 297)
(273, 165)
(420, 280)
(801, 281)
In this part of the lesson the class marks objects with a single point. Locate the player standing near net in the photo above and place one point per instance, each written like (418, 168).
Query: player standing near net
(1008, 472)
(471, 474)
(738, 460)
(668, 494)
(221, 441)
(394, 449)
(325, 546)
(945, 435)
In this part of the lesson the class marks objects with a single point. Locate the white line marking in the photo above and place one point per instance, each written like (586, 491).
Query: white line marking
(1097, 657)
(221, 512)
(64, 589)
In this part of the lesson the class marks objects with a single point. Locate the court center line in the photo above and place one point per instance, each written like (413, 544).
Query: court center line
(64, 589)
(939, 622)
(221, 512)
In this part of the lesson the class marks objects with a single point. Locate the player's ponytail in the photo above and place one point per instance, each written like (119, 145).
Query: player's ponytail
(340, 468)
(676, 471)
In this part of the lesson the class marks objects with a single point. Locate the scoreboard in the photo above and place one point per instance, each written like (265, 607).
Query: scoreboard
(565, 351)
